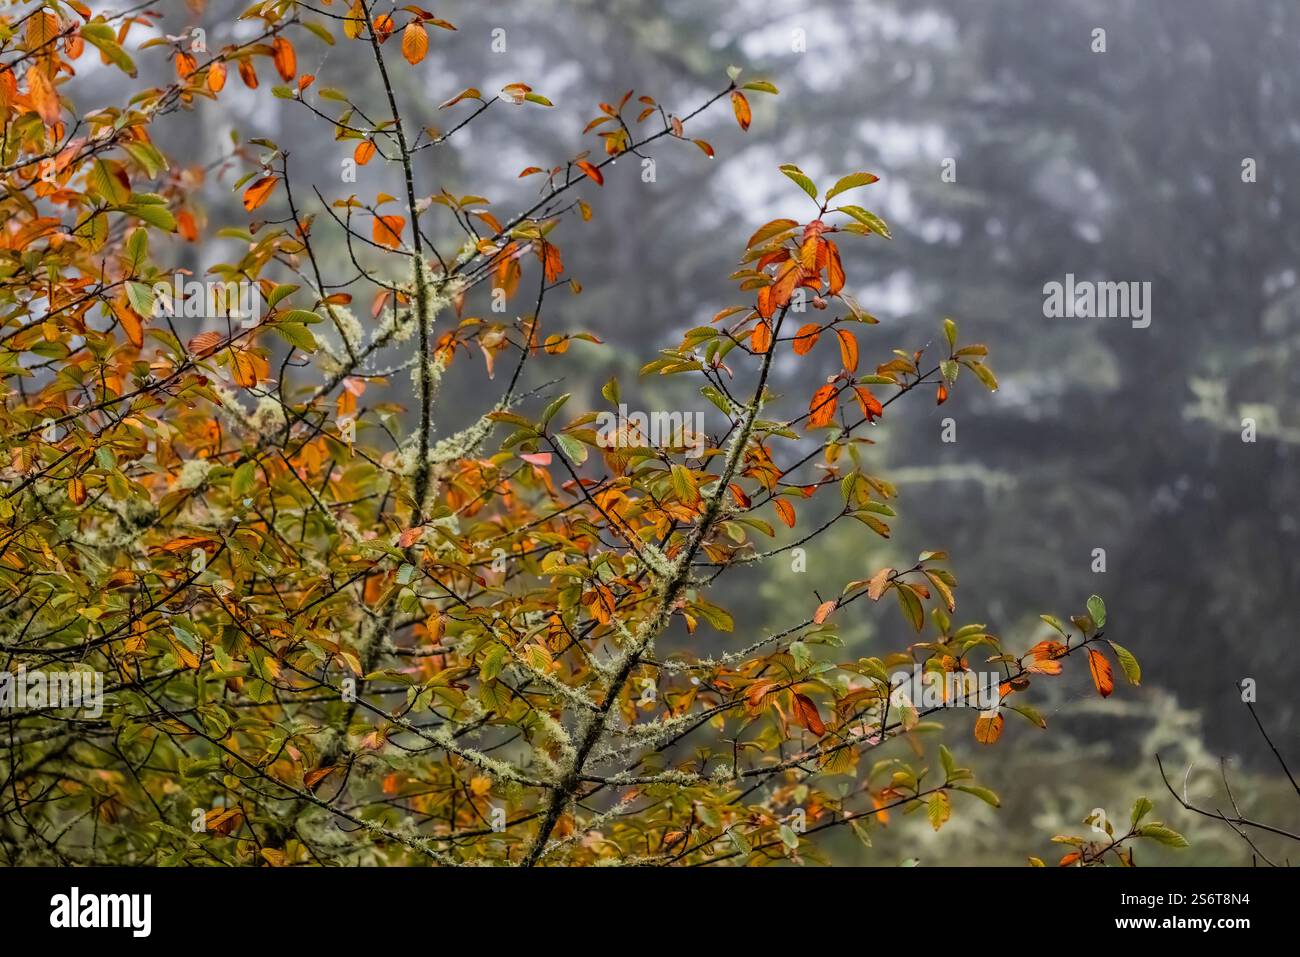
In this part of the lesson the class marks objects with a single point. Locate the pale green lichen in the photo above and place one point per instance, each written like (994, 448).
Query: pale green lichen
(193, 473)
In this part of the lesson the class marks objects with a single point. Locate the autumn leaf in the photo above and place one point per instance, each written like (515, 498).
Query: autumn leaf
(988, 728)
(364, 151)
(591, 171)
(259, 192)
(217, 77)
(186, 64)
(1102, 676)
(415, 42)
(131, 323)
(204, 344)
(740, 106)
(806, 714)
(834, 269)
(821, 410)
(848, 349)
(284, 58)
(806, 338)
(186, 226)
(870, 405)
(76, 491)
(785, 511)
(823, 612)
(248, 73)
(43, 98)
(388, 230)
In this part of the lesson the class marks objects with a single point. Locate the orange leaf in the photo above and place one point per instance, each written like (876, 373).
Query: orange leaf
(415, 42)
(806, 714)
(758, 691)
(760, 340)
(76, 490)
(786, 512)
(216, 77)
(821, 411)
(247, 368)
(871, 407)
(204, 343)
(741, 107)
(306, 80)
(537, 458)
(834, 269)
(44, 99)
(384, 27)
(185, 64)
(823, 612)
(248, 73)
(186, 226)
(1102, 676)
(131, 323)
(259, 192)
(388, 230)
(988, 729)
(364, 151)
(848, 349)
(284, 58)
(410, 536)
(591, 171)
(806, 338)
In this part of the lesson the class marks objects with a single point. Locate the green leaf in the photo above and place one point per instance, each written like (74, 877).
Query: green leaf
(278, 293)
(298, 335)
(301, 316)
(154, 215)
(868, 219)
(984, 374)
(1141, 807)
(242, 482)
(1163, 835)
(984, 794)
(1127, 663)
(1097, 608)
(1030, 712)
(950, 332)
(800, 177)
(852, 181)
(911, 606)
(761, 86)
(554, 407)
(573, 450)
(789, 837)
(102, 180)
(140, 296)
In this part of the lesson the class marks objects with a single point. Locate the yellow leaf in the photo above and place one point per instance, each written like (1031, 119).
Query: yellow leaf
(415, 42)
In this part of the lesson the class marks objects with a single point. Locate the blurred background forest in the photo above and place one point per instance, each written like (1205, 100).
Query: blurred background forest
(1122, 165)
